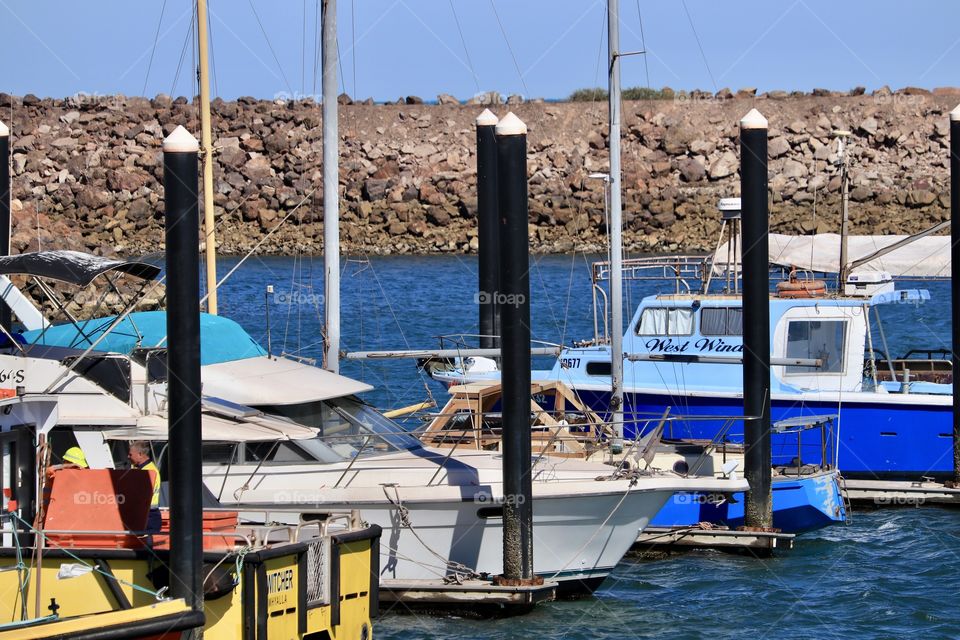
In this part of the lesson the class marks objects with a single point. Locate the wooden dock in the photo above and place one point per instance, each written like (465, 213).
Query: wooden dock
(674, 539)
(881, 494)
(471, 598)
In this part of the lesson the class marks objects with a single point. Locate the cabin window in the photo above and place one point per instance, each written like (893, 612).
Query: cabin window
(721, 321)
(219, 452)
(819, 339)
(598, 368)
(666, 321)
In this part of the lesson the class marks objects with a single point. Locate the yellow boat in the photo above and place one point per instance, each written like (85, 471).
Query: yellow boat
(84, 567)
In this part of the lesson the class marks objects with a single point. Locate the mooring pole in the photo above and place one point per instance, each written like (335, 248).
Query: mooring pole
(515, 349)
(488, 231)
(955, 280)
(180, 154)
(756, 319)
(5, 220)
(331, 186)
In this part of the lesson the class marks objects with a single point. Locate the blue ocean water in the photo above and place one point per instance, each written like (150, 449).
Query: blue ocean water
(887, 574)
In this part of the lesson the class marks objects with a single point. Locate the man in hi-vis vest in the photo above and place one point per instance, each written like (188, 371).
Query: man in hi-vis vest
(139, 456)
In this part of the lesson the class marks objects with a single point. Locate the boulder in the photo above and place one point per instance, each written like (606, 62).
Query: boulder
(726, 165)
(868, 126)
(691, 170)
(446, 98)
(778, 147)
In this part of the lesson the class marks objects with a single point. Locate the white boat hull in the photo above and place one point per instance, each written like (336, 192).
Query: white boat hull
(582, 526)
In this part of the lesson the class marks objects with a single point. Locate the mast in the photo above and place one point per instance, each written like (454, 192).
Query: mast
(844, 208)
(616, 242)
(331, 203)
(206, 142)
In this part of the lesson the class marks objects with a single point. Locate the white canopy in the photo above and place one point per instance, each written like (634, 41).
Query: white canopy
(272, 381)
(216, 428)
(924, 257)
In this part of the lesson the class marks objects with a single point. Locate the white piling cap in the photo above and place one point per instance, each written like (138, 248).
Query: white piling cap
(511, 125)
(753, 120)
(4, 131)
(954, 115)
(487, 119)
(180, 141)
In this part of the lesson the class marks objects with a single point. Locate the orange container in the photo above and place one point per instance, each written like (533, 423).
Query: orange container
(213, 522)
(97, 508)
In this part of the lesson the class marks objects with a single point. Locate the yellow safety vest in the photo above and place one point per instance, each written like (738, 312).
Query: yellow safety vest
(155, 473)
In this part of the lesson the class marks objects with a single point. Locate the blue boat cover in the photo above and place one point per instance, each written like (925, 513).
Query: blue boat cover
(221, 339)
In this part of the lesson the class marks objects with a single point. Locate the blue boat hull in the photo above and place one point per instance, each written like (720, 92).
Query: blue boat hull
(799, 504)
(876, 440)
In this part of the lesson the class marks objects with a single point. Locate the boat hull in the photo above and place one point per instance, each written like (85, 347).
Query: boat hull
(876, 439)
(800, 504)
(578, 540)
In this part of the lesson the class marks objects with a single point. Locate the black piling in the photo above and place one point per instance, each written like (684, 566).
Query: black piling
(955, 279)
(488, 231)
(756, 319)
(515, 350)
(4, 209)
(180, 164)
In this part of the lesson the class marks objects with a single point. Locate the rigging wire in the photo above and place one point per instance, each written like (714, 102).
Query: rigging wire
(699, 45)
(509, 48)
(153, 50)
(353, 44)
(303, 51)
(183, 54)
(213, 52)
(466, 52)
(270, 46)
(643, 45)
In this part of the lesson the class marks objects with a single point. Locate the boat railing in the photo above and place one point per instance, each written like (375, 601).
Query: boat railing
(790, 454)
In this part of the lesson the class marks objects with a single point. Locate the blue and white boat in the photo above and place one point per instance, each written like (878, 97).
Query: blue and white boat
(805, 496)
(683, 350)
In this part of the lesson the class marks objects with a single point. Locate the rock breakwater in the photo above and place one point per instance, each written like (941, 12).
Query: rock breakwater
(87, 172)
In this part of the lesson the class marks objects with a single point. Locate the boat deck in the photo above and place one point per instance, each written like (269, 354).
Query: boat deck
(760, 543)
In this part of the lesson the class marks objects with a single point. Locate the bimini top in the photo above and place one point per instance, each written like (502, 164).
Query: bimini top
(73, 267)
(221, 339)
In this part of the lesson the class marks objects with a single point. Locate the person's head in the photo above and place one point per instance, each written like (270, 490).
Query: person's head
(74, 455)
(139, 452)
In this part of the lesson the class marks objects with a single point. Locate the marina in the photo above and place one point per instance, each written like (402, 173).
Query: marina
(720, 402)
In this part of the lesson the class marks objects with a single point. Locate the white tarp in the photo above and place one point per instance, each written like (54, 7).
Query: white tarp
(270, 381)
(216, 428)
(924, 257)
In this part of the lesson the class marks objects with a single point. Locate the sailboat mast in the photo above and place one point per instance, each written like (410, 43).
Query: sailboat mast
(844, 210)
(206, 149)
(616, 241)
(331, 203)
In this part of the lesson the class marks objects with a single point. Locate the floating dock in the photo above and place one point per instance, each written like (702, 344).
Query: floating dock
(889, 493)
(474, 598)
(761, 543)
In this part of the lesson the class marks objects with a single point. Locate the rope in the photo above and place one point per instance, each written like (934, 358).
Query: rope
(153, 50)
(633, 481)
(94, 568)
(461, 572)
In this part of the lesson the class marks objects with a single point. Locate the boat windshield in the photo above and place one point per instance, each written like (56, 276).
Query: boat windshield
(346, 426)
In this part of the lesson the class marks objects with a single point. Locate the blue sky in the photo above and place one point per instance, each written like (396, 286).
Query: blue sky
(537, 48)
